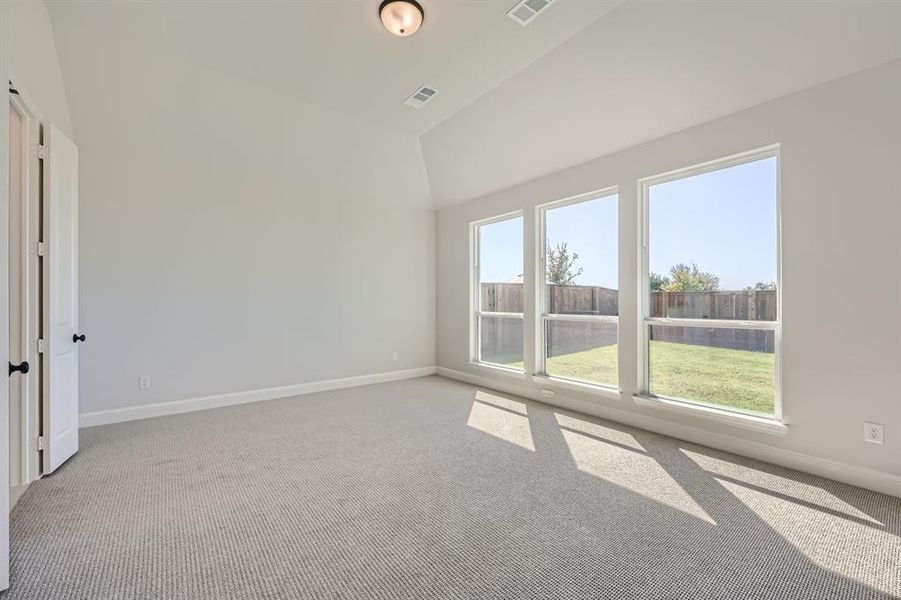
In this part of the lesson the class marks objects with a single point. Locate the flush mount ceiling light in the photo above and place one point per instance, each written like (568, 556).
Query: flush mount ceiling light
(401, 17)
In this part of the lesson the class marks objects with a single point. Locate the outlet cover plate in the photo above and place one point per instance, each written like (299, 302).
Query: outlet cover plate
(874, 433)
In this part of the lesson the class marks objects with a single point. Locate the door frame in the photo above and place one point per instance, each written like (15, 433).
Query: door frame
(4, 303)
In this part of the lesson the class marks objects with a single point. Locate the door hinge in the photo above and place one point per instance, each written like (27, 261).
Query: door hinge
(43, 152)
(40, 248)
(42, 443)
(40, 346)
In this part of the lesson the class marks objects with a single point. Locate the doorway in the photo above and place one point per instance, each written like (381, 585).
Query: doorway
(39, 286)
(24, 298)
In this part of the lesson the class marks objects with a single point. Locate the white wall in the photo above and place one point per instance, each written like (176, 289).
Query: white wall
(233, 238)
(33, 64)
(841, 147)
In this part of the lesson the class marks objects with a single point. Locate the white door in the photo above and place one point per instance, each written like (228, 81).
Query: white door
(59, 439)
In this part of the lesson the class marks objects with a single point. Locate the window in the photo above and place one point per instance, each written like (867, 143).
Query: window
(497, 335)
(711, 293)
(579, 300)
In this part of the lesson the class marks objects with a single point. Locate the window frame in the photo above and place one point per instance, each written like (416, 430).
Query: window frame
(475, 293)
(645, 320)
(542, 316)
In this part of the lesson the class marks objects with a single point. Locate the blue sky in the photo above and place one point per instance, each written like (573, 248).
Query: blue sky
(590, 230)
(725, 221)
(500, 246)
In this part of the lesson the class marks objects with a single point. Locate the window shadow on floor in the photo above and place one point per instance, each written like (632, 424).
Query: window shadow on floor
(686, 514)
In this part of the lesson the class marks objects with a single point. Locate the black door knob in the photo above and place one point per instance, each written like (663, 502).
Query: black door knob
(21, 368)
(77, 338)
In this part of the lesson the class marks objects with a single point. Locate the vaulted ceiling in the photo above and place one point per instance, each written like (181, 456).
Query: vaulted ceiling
(585, 78)
(336, 52)
(645, 70)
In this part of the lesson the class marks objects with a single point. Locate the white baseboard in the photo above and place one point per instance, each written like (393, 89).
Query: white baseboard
(159, 409)
(879, 481)
(15, 492)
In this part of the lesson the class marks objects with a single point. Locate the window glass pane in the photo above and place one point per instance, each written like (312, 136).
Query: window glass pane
(501, 290)
(582, 350)
(582, 258)
(731, 368)
(500, 266)
(500, 341)
(712, 244)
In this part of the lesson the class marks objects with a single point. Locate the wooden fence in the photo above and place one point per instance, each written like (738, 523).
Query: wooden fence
(502, 338)
(740, 305)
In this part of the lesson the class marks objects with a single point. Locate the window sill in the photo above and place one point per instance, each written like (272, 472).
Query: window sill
(567, 385)
(497, 369)
(754, 423)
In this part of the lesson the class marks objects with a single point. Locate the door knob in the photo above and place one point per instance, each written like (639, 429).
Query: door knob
(77, 338)
(22, 368)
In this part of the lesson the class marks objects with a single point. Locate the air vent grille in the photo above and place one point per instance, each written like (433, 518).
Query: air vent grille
(527, 10)
(420, 97)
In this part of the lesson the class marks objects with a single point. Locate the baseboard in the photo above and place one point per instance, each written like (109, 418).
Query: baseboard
(159, 409)
(15, 492)
(879, 481)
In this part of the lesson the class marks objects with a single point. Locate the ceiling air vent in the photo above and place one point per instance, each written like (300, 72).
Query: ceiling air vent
(420, 97)
(527, 10)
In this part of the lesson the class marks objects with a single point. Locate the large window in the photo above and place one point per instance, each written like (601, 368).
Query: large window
(711, 324)
(579, 301)
(498, 292)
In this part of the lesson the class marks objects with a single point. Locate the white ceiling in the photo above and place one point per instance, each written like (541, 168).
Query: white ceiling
(645, 70)
(586, 78)
(336, 52)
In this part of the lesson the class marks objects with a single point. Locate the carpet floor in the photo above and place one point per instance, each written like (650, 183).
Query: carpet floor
(431, 488)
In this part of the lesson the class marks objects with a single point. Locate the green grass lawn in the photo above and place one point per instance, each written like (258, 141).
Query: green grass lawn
(732, 378)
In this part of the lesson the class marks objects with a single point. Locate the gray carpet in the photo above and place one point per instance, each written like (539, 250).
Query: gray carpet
(431, 489)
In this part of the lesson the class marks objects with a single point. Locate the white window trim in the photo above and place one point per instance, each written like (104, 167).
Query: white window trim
(496, 369)
(475, 305)
(712, 413)
(563, 385)
(770, 423)
(540, 373)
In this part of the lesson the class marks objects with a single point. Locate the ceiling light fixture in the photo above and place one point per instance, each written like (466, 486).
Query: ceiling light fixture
(401, 17)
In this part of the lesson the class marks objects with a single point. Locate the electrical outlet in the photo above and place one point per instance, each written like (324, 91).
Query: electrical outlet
(144, 382)
(873, 433)
(394, 356)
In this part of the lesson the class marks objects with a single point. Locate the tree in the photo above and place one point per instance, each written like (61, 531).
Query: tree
(687, 277)
(658, 282)
(761, 286)
(561, 265)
